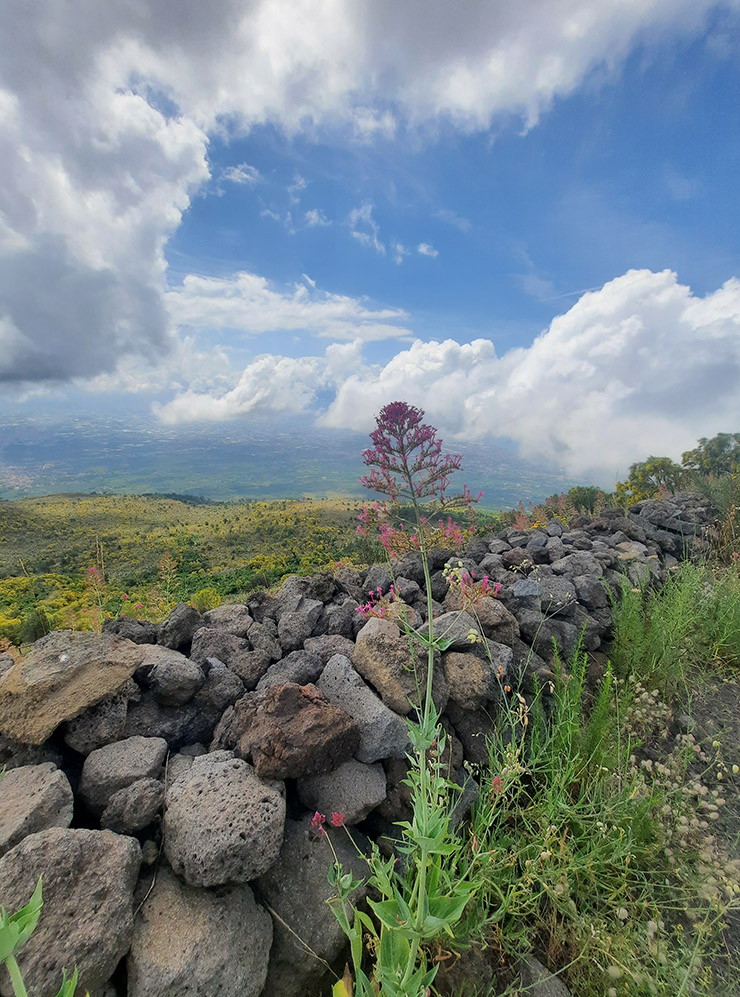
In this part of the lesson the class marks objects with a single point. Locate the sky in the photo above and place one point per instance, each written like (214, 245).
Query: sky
(522, 218)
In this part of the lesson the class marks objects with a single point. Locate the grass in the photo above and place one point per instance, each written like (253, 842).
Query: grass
(592, 828)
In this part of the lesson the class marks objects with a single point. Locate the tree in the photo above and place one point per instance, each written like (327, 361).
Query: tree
(720, 455)
(648, 478)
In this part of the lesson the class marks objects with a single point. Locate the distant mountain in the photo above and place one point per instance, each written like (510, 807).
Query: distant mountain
(234, 461)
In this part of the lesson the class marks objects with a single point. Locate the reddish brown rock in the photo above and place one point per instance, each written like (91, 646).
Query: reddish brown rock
(292, 730)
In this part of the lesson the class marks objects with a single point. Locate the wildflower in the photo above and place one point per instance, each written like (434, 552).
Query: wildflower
(497, 784)
(124, 596)
(337, 819)
(318, 821)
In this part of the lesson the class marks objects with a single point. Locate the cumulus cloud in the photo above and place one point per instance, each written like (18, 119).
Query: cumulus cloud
(106, 112)
(640, 366)
(315, 217)
(248, 303)
(243, 173)
(364, 228)
(424, 249)
(270, 385)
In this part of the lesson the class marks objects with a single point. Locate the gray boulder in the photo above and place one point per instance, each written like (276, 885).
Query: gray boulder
(87, 919)
(138, 631)
(580, 563)
(117, 765)
(540, 982)
(100, 724)
(383, 734)
(263, 637)
(233, 618)
(223, 942)
(178, 629)
(135, 807)
(173, 678)
(34, 797)
(64, 674)
(236, 653)
(222, 824)
(298, 666)
(293, 629)
(385, 659)
(353, 789)
(296, 887)
(329, 645)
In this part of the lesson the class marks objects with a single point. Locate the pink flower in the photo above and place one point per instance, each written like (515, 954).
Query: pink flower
(497, 784)
(337, 820)
(138, 605)
(318, 821)
(124, 596)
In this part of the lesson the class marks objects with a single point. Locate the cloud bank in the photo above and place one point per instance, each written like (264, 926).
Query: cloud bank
(639, 366)
(106, 112)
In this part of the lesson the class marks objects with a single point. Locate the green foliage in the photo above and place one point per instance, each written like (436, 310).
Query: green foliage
(649, 478)
(205, 599)
(585, 498)
(718, 455)
(660, 637)
(15, 930)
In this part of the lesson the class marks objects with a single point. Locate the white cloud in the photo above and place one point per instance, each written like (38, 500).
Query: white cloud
(308, 280)
(399, 252)
(270, 385)
(247, 303)
(242, 174)
(106, 111)
(640, 366)
(454, 219)
(316, 217)
(364, 228)
(296, 188)
(424, 249)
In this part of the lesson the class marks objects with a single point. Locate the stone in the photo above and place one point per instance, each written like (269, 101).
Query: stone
(300, 667)
(407, 589)
(232, 618)
(296, 887)
(349, 581)
(222, 824)
(352, 789)
(34, 798)
(580, 563)
(472, 682)
(538, 981)
(383, 734)
(100, 724)
(87, 919)
(497, 546)
(293, 629)
(135, 807)
(473, 728)
(137, 631)
(117, 765)
(263, 637)
(236, 653)
(13, 754)
(456, 628)
(173, 678)
(177, 765)
(558, 596)
(384, 658)
(178, 630)
(173, 950)
(327, 646)
(293, 730)
(178, 725)
(222, 687)
(65, 673)
(378, 577)
(591, 592)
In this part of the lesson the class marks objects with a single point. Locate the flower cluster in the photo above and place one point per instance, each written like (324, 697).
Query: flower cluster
(378, 604)
(318, 821)
(458, 577)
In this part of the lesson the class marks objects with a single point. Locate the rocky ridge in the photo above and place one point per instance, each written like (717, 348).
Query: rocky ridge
(163, 778)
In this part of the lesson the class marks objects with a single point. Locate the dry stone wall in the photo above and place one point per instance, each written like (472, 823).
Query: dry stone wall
(163, 778)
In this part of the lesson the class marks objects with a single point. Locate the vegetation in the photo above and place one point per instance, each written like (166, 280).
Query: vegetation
(591, 828)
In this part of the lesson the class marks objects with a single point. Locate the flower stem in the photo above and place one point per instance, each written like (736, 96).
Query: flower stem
(19, 987)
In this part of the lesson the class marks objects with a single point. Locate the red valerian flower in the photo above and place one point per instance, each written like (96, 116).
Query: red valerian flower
(337, 819)
(497, 784)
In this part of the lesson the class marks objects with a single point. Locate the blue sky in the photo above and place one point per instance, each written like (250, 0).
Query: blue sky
(524, 221)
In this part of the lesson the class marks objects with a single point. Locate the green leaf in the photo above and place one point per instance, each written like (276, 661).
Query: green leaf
(69, 986)
(25, 920)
